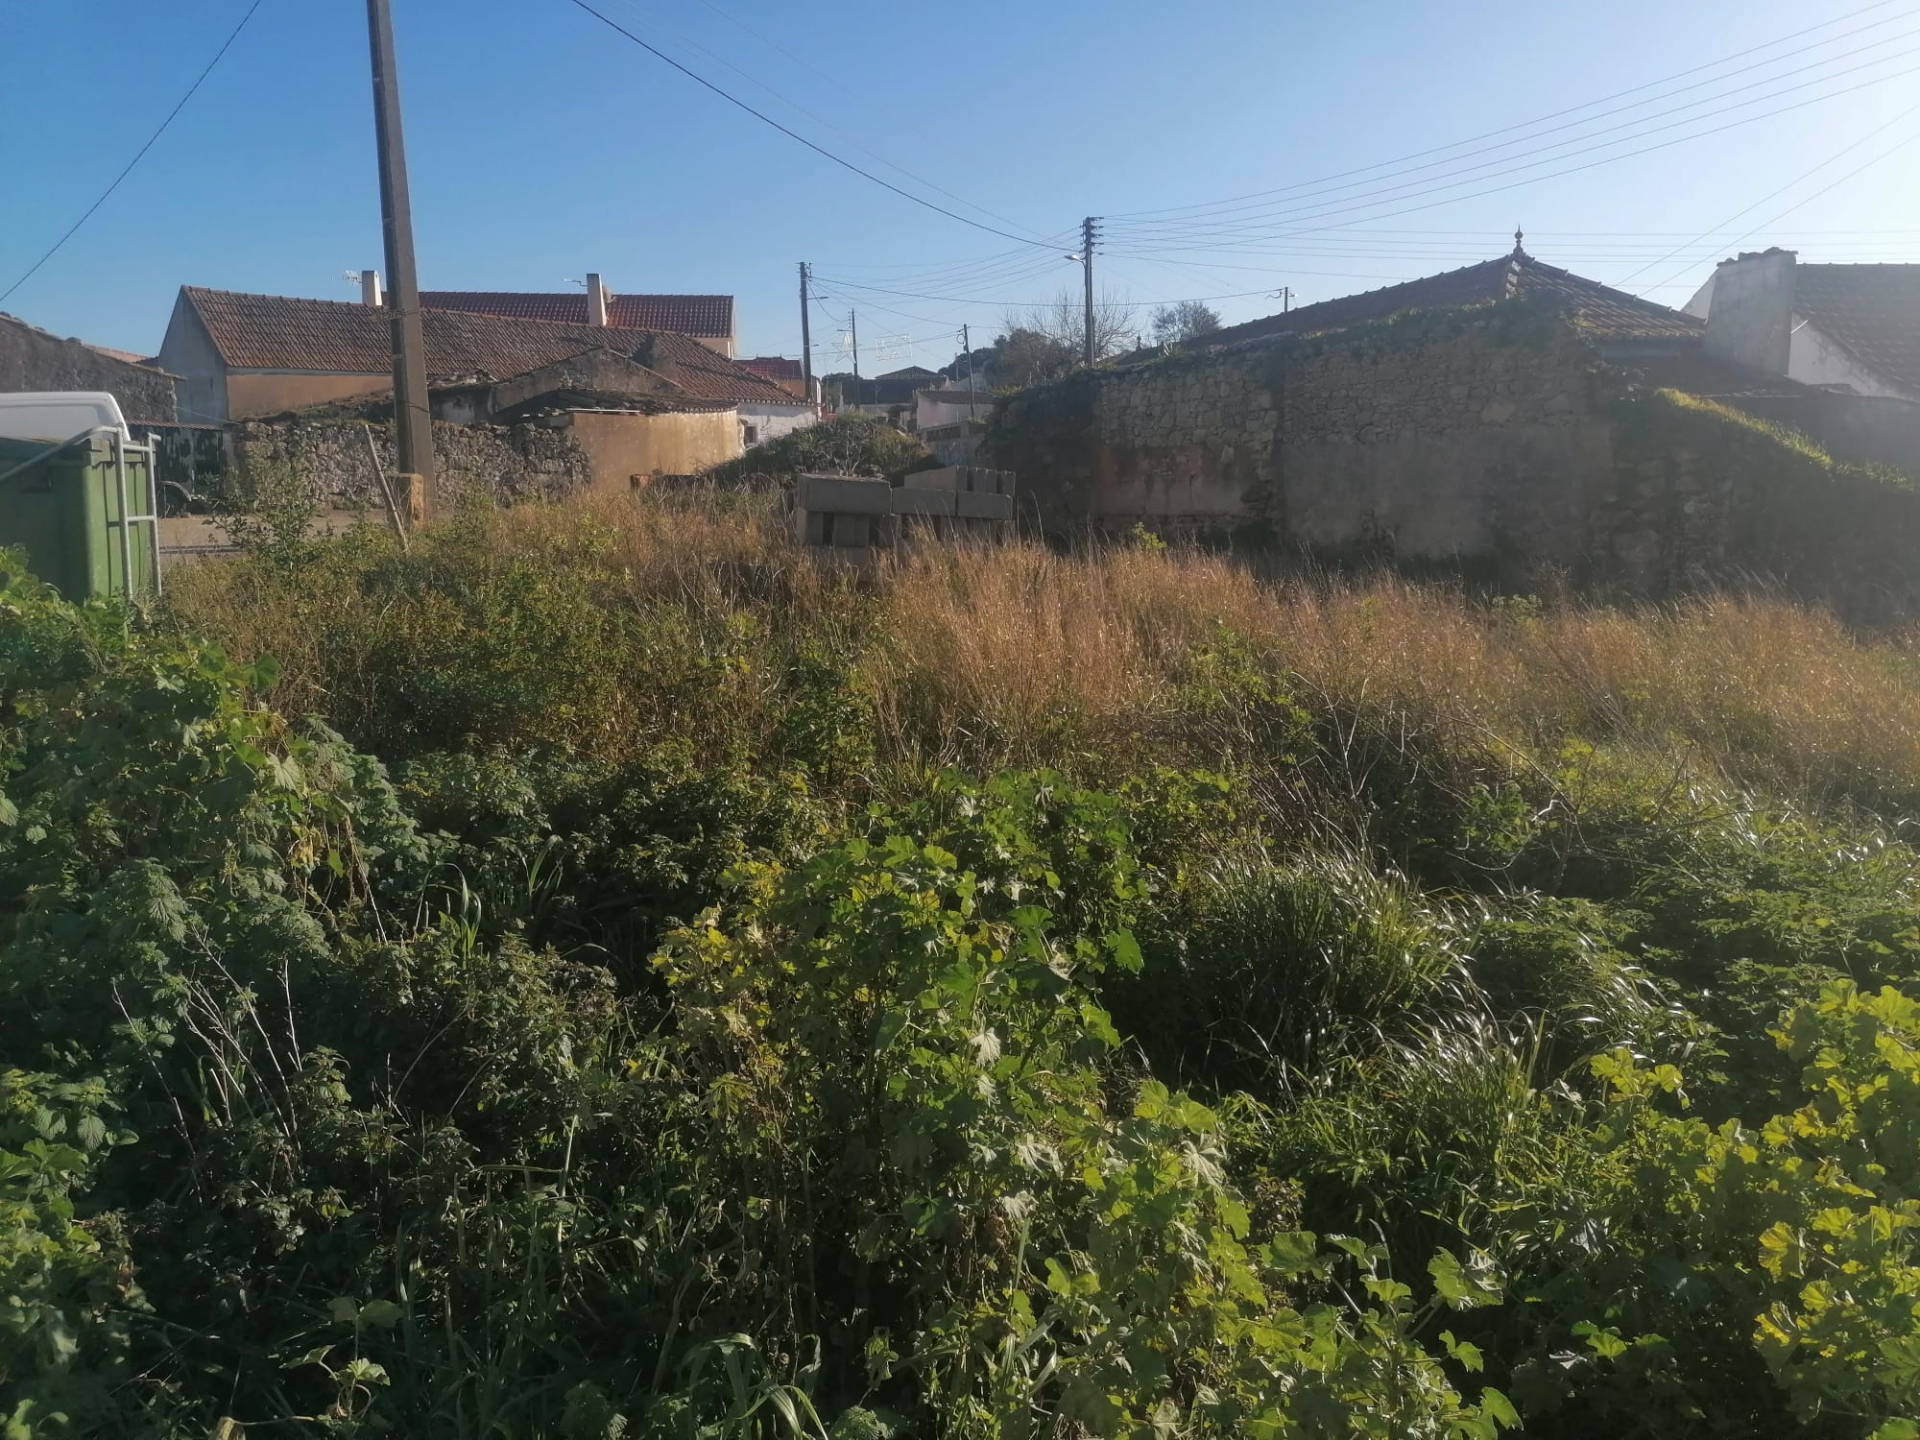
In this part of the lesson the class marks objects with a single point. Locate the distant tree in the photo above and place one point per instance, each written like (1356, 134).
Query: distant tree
(1186, 320)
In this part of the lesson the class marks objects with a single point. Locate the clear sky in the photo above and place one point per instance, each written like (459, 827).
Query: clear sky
(544, 145)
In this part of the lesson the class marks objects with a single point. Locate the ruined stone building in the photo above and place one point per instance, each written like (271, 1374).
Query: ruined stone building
(1494, 420)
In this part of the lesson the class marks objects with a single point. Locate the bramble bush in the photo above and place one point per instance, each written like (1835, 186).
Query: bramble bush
(1010, 995)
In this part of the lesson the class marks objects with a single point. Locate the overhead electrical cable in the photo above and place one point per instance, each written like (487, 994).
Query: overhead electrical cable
(139, 154)
(1557, 114)
(1301, 226)
(1257, 225)
(1832, 159)
(1299, 192)
(1802, 204)
(817, 119)
(792, 134)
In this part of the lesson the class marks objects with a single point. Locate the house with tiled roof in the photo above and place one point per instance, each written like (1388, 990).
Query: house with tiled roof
(242, 356)
(706, 318)
(1612, 319)
(1849, 328)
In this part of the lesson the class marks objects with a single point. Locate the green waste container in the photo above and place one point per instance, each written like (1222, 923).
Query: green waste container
(84, 513)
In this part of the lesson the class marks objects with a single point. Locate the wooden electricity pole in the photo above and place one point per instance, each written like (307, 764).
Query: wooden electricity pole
(1087, 229)
(806, 339)
(412, 422)
(853, 338)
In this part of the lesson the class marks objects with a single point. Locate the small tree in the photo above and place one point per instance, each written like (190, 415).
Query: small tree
(1186, 320)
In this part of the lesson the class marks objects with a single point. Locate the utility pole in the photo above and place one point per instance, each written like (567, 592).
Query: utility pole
(966, 348)
(412, 422)
(853, 334)
(1088, 229)
(806, 339)
(1286, 298)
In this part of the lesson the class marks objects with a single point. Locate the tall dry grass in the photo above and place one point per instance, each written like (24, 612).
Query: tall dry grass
(1018, 655)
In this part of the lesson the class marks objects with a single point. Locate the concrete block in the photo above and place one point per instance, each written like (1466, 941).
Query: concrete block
(852, 532)
(844, 495)
(923, 502)
(989, 482)
(980, 505)
(810, 527)
(953, 477)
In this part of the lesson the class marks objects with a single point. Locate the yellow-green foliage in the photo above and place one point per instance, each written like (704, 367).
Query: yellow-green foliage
(1005, 996)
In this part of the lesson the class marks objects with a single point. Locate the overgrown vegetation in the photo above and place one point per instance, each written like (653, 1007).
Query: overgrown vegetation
(674, 991)
(846, 444)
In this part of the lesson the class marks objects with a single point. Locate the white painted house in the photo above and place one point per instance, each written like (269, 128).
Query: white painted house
(1851, 328)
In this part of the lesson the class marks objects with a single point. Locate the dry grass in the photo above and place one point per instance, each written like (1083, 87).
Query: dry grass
(1015, 655)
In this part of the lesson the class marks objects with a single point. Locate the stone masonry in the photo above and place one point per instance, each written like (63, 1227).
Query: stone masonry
(498, 463)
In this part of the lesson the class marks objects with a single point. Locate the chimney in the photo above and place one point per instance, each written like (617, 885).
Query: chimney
(370, 289)
(596, 300)
(1750, 318)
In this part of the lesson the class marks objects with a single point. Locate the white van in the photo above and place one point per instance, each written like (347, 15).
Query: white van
(54, 416)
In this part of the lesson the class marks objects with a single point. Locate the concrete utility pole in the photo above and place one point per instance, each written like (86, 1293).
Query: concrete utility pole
(966, 349)
(853, 336)
(806, 339)
(1088, 228)
(413, 425)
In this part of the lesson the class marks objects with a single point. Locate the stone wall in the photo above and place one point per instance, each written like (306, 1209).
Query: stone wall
(32, 359)
(498, 463)
(1490, 442)
(1432, 438)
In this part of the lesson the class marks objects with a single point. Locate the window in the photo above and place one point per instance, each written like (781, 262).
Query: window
(753, 434)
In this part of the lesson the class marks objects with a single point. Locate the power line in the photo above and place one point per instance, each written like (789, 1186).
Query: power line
(1449, 166)
(1303, 229)
(1807, 174)
(822, 150)
(1255, 225)
(1555, 115)
(974, 300)
(1802, 204)
(139, 155)
(817, 119)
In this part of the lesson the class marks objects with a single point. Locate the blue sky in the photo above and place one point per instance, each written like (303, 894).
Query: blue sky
(543, 145)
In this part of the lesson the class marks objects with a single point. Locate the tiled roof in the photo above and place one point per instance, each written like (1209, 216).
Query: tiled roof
(1604, 312)
(278, 332)
(1870, 311)
(709, 317)
(911, 372)
(773, 367)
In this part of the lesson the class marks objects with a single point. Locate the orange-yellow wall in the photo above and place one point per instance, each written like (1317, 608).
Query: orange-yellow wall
(621, 446)
(249, 395)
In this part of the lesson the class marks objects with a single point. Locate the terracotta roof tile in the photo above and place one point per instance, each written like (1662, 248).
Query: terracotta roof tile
(773, 367)
(1604, 312)
(1870, 311)
(710, 317)
(278, 332)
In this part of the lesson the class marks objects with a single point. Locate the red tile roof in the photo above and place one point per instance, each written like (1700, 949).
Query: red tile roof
(709, 317)
(279, 332)
(1602, 311)
(1870, 311)
(774, 367)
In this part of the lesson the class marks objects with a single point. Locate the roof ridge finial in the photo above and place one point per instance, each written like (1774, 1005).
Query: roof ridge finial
(1519, 236)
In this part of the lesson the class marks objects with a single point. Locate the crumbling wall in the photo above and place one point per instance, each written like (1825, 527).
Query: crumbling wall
(32, 359)
(1492, 442)
(1476, 437)
(500, 464)
(1432, 438)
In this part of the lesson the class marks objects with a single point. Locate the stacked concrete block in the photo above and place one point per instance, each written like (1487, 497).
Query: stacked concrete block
(844, 514)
